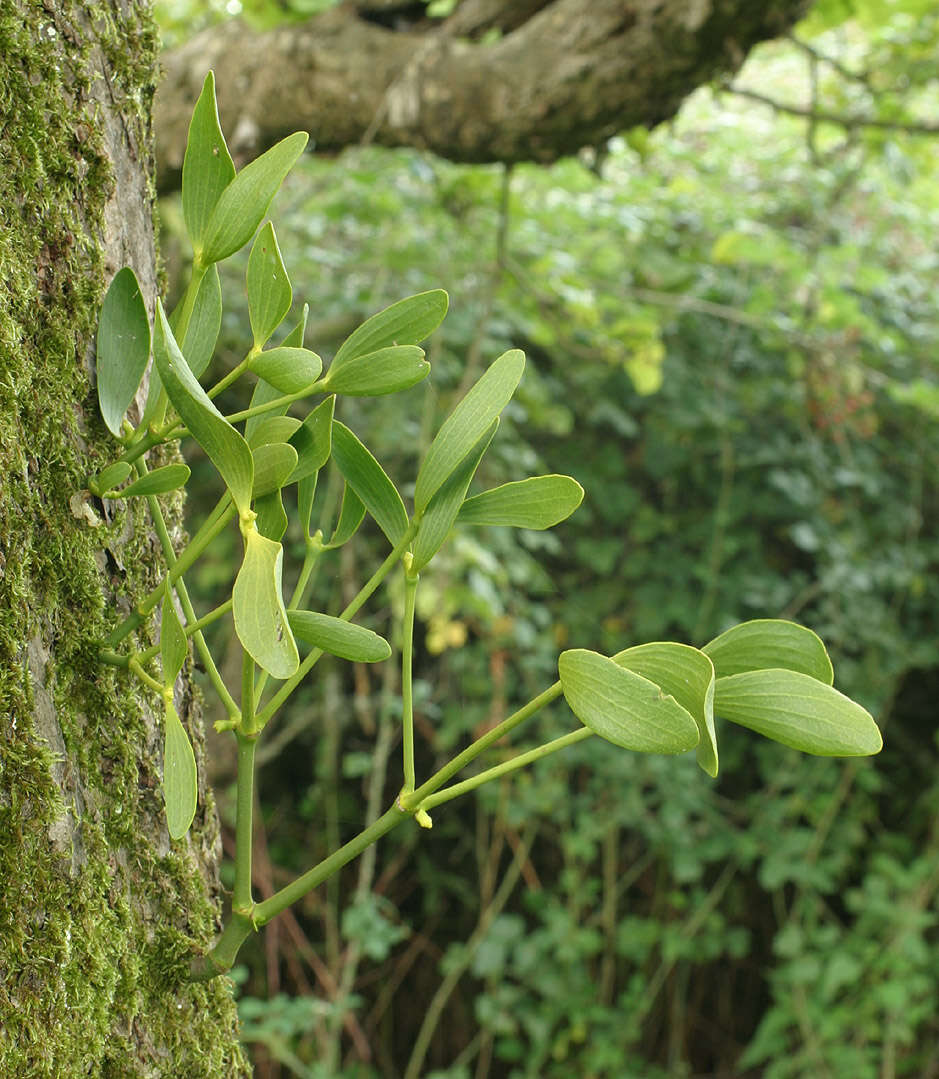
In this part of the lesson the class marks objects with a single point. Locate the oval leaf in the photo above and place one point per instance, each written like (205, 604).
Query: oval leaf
(467, 423)
(407, 322)
(157, 482)
(264, 392)
(271, 518)
(123, 347)
(269, 291)
(204, 323)
(224, 446)
(539, 502)
(368, 479)
(172, 641)
(180, 783)
(108, 478)
(245, 200)
(313, 440)
(443, 508)
(688, 675)
(273, 429)
(207, 167)
(376, 373)
(622, 707)
(258, 607)
(273, 464)
(770, 642)
(350, 517)
(338, 637)
(798, 710)
(288, 370)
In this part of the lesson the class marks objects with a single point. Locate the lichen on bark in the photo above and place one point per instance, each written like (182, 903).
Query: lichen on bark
(99, 911)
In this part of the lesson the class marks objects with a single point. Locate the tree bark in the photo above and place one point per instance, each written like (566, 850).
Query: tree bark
(99, 910)
(525, 80)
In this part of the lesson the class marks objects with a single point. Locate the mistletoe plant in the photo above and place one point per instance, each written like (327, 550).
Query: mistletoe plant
(771, 676)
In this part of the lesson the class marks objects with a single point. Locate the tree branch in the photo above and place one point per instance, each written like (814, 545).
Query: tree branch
(564, 74)
(850, 123)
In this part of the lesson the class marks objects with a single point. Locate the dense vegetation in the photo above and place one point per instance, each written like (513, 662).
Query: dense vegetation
(731, 327)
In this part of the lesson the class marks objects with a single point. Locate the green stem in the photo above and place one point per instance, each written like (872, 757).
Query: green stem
(222, 956)
(154, 650)
(272, 706)
(156, 513)
(407, 692)
(412, 802)
(249, 725)
(217, 520)
(233, 375)
(505, 768)
(269, 406)
(147, 679)
(298, 888)
(242, 899)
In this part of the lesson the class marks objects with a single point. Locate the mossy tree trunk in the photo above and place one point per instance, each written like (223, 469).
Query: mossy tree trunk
(98, 910)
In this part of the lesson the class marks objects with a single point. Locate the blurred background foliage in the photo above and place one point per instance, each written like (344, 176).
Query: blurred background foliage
(732, 328)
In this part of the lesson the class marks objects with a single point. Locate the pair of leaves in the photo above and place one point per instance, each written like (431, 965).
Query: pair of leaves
(382, 356)
(776, 679)
(222, 209)
(662, 697)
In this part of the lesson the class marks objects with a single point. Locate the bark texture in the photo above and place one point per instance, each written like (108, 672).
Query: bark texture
(525, 80)
(99, 911)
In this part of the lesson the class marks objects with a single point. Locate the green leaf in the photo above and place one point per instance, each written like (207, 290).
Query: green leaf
(180, 784)
(313, 440)
(207, 167)
(201, 336)
(204, 323)
(350, 517)
(623, 707)
(442, 510)
(123, 347)
(258, 607)
(157, 482)
(798, 710)
(368, 479)
(269, 291)
(288, 370)
(245, 200)
(273, 429)
(264, 391)
(770, 642)
(539, 502)
(172, 641)
(686, 674)
(271, 521)
(338, 637)
(407, 322)
(224, 446)
(109, 478)
(273, 464)
(306, 492)
(388, 370)
(467, 423)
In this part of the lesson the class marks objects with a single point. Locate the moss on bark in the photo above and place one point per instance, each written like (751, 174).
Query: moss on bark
(99, 911)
